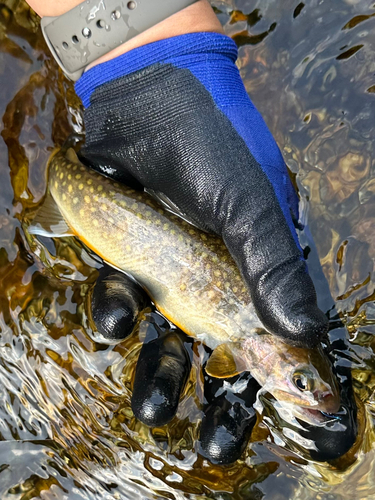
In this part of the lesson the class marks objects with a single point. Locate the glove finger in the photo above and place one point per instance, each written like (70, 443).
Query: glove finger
(162, 370)
(116, 304)
(228, 418)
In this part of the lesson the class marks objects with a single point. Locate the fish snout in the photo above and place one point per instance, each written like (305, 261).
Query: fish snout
(328, 402)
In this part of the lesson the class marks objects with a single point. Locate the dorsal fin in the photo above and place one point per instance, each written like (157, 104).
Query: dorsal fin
(168, 204)
(71, 155)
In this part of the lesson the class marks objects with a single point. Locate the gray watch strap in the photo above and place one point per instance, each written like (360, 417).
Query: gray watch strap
(95, 27)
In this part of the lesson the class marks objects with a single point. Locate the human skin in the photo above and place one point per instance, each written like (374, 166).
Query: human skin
(195, 18)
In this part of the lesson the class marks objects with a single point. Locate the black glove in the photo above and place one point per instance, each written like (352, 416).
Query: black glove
(163, 369)
(175, 117)
(186, 128)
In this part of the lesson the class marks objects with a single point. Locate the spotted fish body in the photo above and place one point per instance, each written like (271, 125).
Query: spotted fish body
(189, 275)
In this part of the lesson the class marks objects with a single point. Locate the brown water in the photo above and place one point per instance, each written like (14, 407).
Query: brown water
(66, 428)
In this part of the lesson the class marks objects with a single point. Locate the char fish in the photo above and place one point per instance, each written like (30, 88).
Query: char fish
(190, 276)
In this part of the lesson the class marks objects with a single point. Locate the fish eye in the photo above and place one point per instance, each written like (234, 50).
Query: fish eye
(303, 381)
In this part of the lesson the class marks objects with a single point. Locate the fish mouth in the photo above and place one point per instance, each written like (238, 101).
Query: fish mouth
(326, 404)
(325, 410)
(316, 417)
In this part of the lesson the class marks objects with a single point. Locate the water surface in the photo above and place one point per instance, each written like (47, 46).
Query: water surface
(66, 427)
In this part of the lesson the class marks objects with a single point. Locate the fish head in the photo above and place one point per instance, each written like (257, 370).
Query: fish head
(307, 380)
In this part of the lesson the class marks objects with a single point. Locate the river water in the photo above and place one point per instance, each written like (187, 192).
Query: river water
(66, 427)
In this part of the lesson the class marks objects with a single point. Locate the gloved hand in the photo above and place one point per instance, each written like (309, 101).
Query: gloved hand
(163, 368)
(175, 117)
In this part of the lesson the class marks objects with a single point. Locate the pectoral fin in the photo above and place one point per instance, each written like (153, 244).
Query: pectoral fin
(49, 221)
(225, 361)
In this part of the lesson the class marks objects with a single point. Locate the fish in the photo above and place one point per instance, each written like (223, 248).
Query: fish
(189, 275)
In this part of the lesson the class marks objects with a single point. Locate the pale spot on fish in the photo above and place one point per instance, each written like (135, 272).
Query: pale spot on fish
(70, 177)
(80, 186)
(91, 189)
(93, 209)
(81, 212)
(78, 176)
(87, 199)
(75, 200)
(70, 188)
(64, 197)
(104, 207)
(217, 273)
(100, 188)
(64, 183)
(89, 182)
(123, 204)
(183, 287)
(165, 226)
(204, 237)
(61, 175)
(235, 289)
(75, 168)
(56, 184)
(110, 220)
(135, 206)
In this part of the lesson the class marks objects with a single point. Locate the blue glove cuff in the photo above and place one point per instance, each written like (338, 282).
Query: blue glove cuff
(184, 51)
